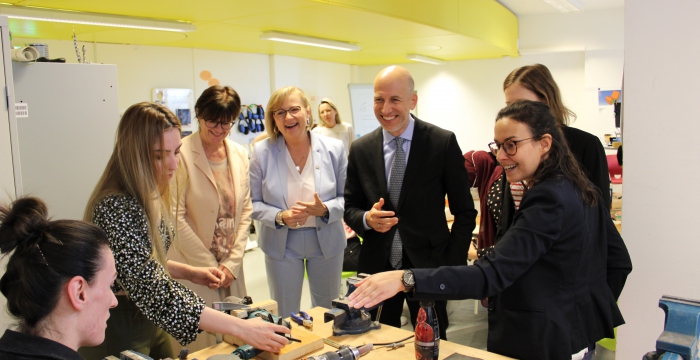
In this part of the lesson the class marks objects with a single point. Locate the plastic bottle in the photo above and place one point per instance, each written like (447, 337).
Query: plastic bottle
(427, 332)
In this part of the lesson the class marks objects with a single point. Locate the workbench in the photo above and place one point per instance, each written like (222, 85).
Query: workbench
(384, 335)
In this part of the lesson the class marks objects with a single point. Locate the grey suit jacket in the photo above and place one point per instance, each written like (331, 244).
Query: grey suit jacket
(268, 185)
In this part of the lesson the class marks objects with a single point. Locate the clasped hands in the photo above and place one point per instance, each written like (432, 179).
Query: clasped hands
(380, 220)
(299, 213)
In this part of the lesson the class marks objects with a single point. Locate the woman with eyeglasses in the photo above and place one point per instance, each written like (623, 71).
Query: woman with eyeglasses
(332, 126)
(500, 198)
(213, 200)
(554, 277)
(132, 203)
(297, 179)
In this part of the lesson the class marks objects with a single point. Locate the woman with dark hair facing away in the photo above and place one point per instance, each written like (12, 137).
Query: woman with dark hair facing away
(554, 278)
(57, 283)
(500, 199)
(213, 200)
(132, 203)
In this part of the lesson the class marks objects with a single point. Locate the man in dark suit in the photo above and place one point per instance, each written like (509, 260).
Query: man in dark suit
(397, 179)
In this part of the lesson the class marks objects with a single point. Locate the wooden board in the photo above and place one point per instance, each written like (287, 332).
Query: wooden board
(294, 350)
(385, 334)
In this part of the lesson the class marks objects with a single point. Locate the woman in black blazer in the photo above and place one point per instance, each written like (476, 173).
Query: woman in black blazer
(554, 277)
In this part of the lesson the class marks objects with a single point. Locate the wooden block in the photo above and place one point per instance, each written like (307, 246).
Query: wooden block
(294, 350)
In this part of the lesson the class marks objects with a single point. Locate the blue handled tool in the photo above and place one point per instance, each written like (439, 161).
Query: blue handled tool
(303, 319)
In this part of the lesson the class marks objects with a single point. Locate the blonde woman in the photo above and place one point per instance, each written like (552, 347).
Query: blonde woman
(332, 126)
(297, 179)
(131, 203)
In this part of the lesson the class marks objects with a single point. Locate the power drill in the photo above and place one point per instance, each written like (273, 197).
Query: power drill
(344, 353)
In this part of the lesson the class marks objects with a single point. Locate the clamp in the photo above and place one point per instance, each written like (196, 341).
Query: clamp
(303, 319)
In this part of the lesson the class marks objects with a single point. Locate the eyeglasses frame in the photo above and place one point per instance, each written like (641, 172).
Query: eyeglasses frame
(515, 143)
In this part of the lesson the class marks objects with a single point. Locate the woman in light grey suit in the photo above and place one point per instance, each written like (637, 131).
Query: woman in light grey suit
(297, 180)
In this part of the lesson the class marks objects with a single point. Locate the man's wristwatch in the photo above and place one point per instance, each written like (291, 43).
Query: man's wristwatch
(278, 219)
(408, 280)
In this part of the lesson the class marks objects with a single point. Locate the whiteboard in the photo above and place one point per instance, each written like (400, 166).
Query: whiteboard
(362, 105)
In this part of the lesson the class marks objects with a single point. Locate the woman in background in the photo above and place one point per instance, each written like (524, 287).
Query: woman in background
(132, 203)
(500, 199)
(297, 179)
(553, 280)
(332, 126)
(214, 207)
(57, 283)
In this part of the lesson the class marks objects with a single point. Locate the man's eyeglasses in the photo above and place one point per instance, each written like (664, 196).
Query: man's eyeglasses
(509, 146)
(281, 113)
(213, 124)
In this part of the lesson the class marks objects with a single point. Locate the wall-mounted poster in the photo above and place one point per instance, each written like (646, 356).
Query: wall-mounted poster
(608, 97)
(180, 102)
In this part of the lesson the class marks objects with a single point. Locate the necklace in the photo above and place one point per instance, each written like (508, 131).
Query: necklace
(301, 161)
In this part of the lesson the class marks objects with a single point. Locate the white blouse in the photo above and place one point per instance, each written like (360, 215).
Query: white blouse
(301, 186)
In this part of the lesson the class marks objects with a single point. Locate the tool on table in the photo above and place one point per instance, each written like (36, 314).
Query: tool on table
(347, 320)
(233, 303)
(397, 344)
(679, 340)
(303, 319)
(344, 353)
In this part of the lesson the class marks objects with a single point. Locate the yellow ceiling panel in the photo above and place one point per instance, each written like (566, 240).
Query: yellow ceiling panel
(386, 30)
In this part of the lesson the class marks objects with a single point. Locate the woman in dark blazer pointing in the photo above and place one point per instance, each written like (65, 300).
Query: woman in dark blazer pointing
(554, 277)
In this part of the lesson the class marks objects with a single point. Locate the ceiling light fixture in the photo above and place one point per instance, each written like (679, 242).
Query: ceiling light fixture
(565, 5)
(86, 18)
(425, 59)
(308, 40)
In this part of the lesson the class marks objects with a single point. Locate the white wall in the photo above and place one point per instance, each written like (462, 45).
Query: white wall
(661, 131)
(318, 79)
(464, 96)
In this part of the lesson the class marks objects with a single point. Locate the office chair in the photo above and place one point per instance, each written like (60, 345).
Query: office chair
(614, 169)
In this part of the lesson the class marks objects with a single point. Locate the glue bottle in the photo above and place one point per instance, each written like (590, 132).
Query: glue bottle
(427, 339)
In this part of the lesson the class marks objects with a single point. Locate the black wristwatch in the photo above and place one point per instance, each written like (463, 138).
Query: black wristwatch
(408, 280)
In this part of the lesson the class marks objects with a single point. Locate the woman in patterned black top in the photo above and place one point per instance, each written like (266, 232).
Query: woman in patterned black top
(128, 203)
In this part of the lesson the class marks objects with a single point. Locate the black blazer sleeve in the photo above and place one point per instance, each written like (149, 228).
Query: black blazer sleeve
(619, 263)
(460, 201)
(537, 226)
(355, 198)
(589, 152)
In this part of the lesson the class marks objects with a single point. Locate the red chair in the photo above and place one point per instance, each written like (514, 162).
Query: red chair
(614, 169)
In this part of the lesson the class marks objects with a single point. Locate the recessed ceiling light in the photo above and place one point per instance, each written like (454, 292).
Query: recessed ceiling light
(86, 18)
(425, 59)
(565, 5)
(309, 40)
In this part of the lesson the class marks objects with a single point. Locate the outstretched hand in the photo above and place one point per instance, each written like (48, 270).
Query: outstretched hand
(376, 288)
(380, 220)
(261, 334)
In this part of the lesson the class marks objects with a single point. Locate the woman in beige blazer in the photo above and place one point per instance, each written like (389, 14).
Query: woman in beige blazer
(214, 206)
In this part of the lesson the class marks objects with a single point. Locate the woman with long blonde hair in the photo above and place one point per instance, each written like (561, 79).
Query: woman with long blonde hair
(131, 203)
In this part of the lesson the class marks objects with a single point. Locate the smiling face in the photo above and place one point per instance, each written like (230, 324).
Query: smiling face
(529, 154)
(213, 136)
(99, 299)
(291, 126)
(328, 115)
(517, 91)
(168, 157)
(394, 99)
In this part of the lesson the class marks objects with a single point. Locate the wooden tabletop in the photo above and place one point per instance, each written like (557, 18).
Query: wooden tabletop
(384, 335)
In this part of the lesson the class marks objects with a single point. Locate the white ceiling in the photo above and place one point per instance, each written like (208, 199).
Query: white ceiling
(532, 7)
